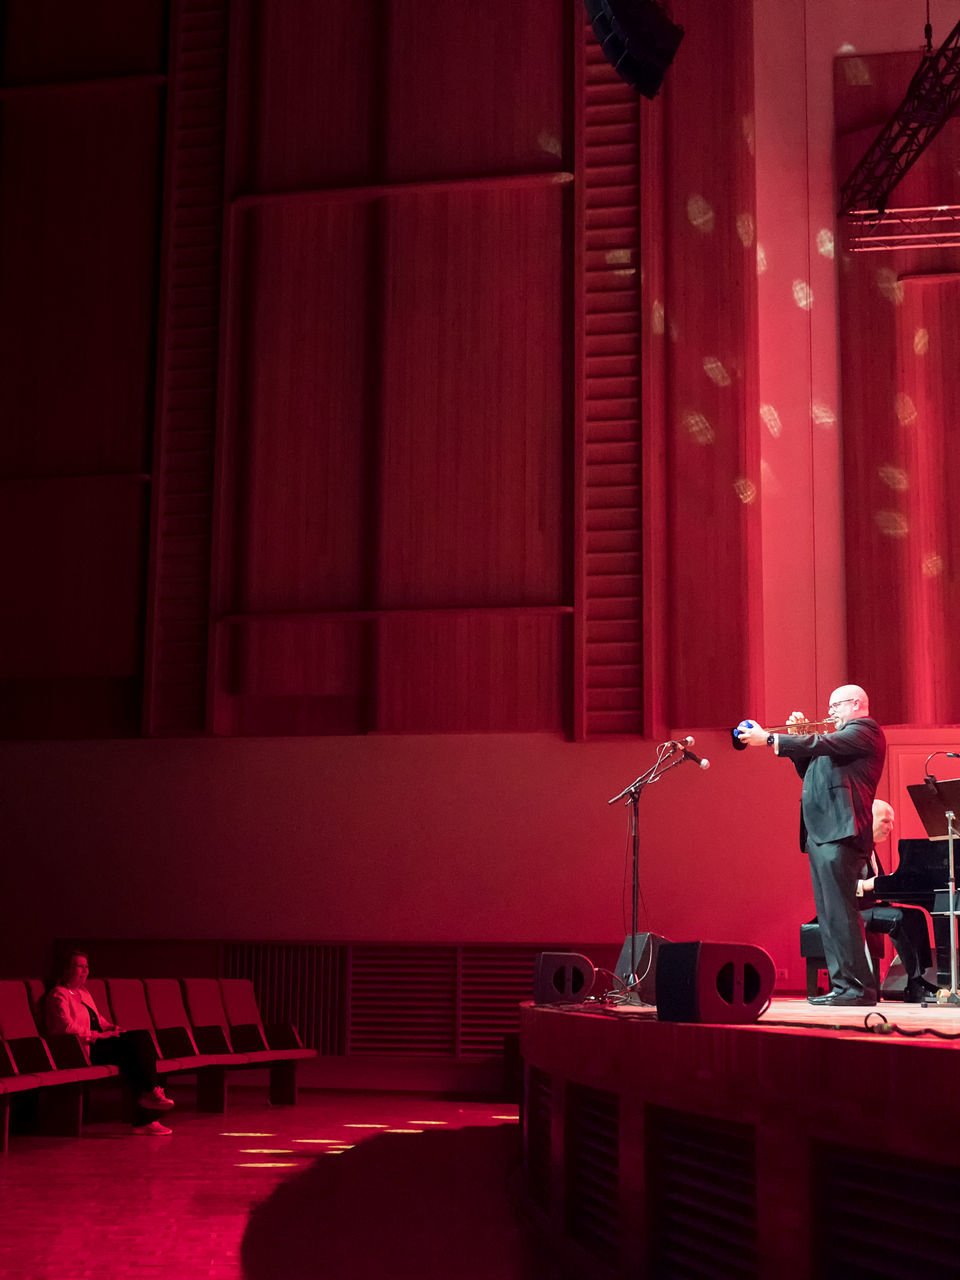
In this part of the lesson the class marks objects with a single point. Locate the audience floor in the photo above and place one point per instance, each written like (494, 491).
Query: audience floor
(342, 1185)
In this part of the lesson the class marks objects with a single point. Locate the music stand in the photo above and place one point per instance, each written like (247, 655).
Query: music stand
(937, 804)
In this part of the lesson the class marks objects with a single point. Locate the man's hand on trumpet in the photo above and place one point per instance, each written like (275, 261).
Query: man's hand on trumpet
(797, 722)
(752, 736)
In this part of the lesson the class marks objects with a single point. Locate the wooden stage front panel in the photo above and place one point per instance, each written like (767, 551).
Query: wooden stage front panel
(788, 1152)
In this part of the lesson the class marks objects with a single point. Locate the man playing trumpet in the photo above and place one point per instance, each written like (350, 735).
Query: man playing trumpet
(840, 772)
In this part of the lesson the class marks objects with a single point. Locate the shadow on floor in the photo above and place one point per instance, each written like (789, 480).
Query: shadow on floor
(398, 1206)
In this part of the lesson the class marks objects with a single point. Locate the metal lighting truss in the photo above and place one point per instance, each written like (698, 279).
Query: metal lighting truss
(933, 97)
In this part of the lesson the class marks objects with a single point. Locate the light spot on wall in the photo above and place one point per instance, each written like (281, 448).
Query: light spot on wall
(656, 317)
(892, 524)
(771, 419)
(625, 272)
(745, 490)
(768, 479)
(618, 257)
(549, 142)
(745, 229)
(905, 409)
(748, 125)
(674, 330)
(894, 477)
(822, 414)
(857, 72)
(889, 286)
(698, 427)
(700, 214)
(921, 342)
(715, 371)
(932, 565)
(761, 259)
(802, 295)
(825, 242)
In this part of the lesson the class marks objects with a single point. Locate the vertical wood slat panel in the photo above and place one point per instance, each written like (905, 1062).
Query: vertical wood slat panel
(179, 593)
(899, 406)
(712, 528)
(610, 607)
(473, 472)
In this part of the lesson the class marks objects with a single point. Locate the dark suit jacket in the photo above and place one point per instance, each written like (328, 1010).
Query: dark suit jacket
(840, 773)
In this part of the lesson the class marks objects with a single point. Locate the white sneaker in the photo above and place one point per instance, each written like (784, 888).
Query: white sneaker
(156, 1100)
(152, 1130)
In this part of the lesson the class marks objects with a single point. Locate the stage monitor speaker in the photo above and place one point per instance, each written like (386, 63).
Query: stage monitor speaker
(562, 977)
(638, 40)
(713, 982)
(647, 949)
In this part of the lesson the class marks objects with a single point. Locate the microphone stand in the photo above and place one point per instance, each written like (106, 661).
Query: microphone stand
(953, 996)
(631, 796)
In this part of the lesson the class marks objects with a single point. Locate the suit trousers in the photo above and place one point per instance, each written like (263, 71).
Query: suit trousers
(835, 869)
(907, 930)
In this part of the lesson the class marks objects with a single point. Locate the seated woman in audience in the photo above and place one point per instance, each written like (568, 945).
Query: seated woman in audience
(70, 1009)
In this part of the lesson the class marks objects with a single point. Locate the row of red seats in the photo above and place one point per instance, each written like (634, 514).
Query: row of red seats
(200, 1026)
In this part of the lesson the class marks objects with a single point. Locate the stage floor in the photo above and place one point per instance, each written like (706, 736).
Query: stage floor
(893, 1016)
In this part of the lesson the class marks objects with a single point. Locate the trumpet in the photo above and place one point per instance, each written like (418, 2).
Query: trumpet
(803, 726)
(798, 726)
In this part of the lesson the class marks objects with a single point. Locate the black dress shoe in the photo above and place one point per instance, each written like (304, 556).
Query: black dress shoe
(846, 999)
(824, 999)
(918, 989)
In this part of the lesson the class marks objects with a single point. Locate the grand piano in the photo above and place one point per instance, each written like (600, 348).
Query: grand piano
(921, 881)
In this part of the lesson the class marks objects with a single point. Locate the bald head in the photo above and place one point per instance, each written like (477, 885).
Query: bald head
(883, 818)
(848, 702)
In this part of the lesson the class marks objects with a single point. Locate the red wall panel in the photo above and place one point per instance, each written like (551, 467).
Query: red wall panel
(474, 449)
(79, 289)
(299, 419)
(49, 40)
(306, 80)
(476, 88)
(899, 332)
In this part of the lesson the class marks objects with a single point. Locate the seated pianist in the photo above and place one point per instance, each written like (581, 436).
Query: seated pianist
(906, 926)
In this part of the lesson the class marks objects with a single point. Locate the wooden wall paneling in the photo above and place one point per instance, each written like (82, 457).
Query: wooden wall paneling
(499, 670)
(477, 89)
(712, 527)
(612, 602)
(475, 392)
(896, 396)
(308, 92)
(187, 362)
(921, 492)
(299, 416)
(71, 605)
(58, 40)
(76, 357)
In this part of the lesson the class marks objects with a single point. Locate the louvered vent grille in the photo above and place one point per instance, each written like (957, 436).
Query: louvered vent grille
(302, 983)
(898, 1219)
(592, 1205)
(493, 983)
(704, 1195)
(538, 1113)
(437, 1001)
(612, 605)
(403, 1000)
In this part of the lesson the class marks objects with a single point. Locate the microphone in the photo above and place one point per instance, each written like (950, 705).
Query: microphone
(685, 746)
(700, 760)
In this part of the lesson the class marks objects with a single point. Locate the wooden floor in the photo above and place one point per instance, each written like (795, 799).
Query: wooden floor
(350, 1186)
